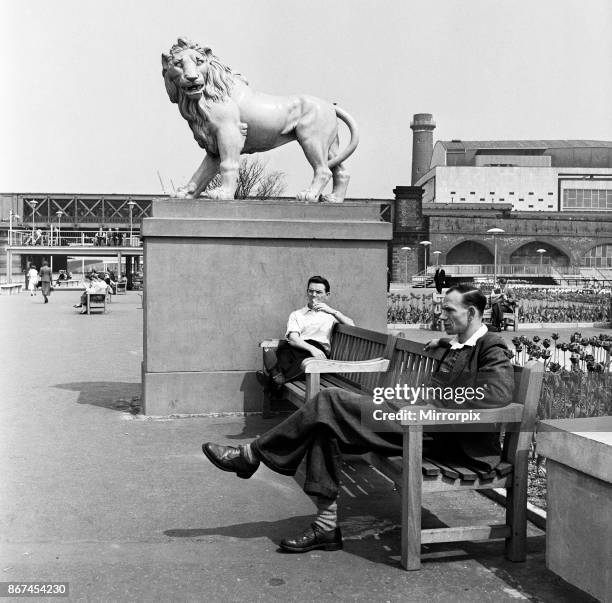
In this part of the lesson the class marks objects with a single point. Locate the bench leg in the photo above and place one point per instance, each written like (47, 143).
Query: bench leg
(516, 512)
(411, 498)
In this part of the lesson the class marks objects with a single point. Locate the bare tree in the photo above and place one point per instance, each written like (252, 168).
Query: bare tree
(254, 180)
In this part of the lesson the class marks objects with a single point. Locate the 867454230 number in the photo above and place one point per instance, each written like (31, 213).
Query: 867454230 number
(34, 589)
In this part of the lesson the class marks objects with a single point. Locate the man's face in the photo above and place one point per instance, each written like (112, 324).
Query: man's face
(316, 293)
(454, 314)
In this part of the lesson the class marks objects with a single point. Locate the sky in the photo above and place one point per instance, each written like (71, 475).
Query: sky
(84, 108)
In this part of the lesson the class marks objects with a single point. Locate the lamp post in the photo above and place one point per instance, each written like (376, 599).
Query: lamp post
(12, 216)
(494, 232)
(437, 254)
(131, 206)
(425, 244)
(33, 203)
(406, 249)
(59, 213)
(541, 252)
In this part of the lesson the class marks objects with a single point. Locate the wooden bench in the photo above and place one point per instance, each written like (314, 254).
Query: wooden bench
(96, 301)
(400, 361)
(68, 282)
(10, 288)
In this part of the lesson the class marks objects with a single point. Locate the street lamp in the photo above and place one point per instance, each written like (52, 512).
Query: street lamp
(33, 203)
(406, 249)
(131, 206)
(425, 244)
(59, 213)
(541, 252)
(12, 215)
(494, 232)
(437, 254)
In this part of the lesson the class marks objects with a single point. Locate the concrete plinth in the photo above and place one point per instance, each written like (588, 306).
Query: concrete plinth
(222, 276)
(579, 514)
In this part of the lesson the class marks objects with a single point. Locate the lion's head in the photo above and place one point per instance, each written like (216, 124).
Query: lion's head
(192, 71)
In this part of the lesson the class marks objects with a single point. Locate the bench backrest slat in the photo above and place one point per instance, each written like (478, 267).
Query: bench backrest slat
(355, 343)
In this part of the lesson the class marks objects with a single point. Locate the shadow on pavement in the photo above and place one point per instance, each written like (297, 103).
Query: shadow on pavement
(120, 396)
(274, 530)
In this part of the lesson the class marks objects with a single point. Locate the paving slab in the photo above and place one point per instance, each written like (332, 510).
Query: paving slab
(126, 508)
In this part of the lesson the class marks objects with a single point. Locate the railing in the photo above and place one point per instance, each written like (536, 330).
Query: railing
(73, 238)
(515, 270)
(489, 269)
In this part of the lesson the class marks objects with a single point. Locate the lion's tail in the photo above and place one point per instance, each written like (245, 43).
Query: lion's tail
(352, 145)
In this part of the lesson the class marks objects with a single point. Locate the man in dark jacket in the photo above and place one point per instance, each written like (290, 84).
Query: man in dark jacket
(46, 279)
(333, 421)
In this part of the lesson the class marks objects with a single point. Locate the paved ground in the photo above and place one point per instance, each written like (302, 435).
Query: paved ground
(127, 509)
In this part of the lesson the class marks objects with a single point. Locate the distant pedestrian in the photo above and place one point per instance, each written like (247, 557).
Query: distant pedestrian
(46, 277)
(440, 279)
(32, 279)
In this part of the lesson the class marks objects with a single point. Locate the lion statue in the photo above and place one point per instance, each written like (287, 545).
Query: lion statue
(228, 118)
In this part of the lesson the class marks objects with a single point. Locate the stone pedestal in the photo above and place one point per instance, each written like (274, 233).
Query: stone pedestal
(579, 496)
(222, 276)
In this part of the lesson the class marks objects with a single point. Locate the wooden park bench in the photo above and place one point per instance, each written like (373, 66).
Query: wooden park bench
(362, 360)
(96, 301)
(10, 288)
(67, 282)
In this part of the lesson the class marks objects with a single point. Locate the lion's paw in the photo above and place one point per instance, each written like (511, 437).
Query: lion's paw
(185, 192)
(331, 198)
(307, 195)
(220, 194)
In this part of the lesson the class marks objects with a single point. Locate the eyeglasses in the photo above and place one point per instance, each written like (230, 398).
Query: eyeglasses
(313, 292)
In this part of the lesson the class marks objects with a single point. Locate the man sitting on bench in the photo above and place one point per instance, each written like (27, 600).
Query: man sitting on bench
(502, 300)
(308, 334)
(336, 421)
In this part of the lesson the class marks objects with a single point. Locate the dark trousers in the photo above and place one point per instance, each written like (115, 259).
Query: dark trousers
(497, 313)
(321, 430)
(336, 421)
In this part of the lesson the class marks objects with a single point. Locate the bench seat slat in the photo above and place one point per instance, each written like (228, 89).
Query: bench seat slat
(503, 469)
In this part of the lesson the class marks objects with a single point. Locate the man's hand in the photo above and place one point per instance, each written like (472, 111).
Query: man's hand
(433, 343)
(317, 353)
(322, 307)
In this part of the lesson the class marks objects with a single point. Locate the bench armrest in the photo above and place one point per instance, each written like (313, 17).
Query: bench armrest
(513, 413)
(373, 365)
(270, 343)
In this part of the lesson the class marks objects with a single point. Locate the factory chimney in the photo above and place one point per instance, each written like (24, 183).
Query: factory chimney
(423, 126)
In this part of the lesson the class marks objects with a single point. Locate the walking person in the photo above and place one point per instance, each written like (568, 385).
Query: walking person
(32, 279)
(46, 278)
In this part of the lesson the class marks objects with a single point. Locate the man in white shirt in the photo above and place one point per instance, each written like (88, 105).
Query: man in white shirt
(308, 334)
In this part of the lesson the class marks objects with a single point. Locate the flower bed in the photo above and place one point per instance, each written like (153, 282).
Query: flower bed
(534, 306)
(577, 383)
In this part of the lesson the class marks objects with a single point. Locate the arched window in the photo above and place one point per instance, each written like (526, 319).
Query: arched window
(598, 257)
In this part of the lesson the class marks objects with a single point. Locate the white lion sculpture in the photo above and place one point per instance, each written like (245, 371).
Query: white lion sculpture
(228, 118)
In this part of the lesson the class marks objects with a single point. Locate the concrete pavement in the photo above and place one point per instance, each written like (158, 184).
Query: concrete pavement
(128, 509)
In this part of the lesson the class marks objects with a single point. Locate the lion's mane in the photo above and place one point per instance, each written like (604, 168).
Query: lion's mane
(218, 85)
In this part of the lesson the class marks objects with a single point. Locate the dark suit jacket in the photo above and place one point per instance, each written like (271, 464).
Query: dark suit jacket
(45, 275)
(486, 365)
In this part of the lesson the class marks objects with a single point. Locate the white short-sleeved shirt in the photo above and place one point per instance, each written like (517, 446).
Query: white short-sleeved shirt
(311, 325)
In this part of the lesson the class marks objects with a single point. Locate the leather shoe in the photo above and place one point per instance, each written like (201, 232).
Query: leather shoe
(313, 538)
(230, 458)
